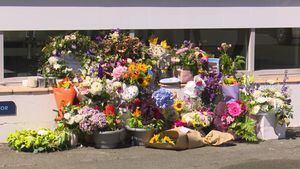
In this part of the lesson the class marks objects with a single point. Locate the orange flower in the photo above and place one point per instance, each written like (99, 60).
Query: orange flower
(137, 113)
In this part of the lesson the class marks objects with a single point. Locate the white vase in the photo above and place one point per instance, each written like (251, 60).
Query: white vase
(267, 128)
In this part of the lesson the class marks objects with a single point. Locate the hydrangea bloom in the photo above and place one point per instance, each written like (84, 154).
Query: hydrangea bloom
(92, 119)
(163, 98)
(118, 72)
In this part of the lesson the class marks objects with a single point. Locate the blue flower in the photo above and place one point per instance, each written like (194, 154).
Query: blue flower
(163, 98)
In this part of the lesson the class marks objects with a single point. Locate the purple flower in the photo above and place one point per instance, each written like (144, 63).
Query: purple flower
(93, 120)
(73, 46)
(100, 71)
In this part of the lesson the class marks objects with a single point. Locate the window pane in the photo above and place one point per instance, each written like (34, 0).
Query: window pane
(209, 39)
(22, 50)
(277, 48)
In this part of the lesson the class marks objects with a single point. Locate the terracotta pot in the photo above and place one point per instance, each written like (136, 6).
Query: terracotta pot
(185, 75)
(109, 139)
(139, 135)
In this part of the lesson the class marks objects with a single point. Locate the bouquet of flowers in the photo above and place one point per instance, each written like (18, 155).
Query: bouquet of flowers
(230, 89)
(63, 55)
(272, 100)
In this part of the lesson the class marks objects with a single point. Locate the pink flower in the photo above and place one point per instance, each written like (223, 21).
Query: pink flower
(234, 109)
(181, 50)
(118, 72)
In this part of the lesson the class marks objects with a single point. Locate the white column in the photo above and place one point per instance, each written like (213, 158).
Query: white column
(251, 52)
(1, 57)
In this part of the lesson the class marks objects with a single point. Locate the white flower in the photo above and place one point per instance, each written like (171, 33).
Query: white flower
(60, 45)
(54, 52)
(278, 94)
(56, 66)
(278, 103)
(261, 100)
(130, 93)
(255, 109)
(75, 80)
(69, 69)
(96, 88)
(42, 132)
(67, 116)
(67, 37)
(117, 85)
(69, 52)
(73, 37)
(256, 93)
(129, 60)
(71, 121)
(78, 118)
(53, 60)
(265, 108)
(189, 89)
(114, 36)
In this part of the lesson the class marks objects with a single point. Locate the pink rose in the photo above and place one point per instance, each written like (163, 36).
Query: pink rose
(234, 109)
(118, 72)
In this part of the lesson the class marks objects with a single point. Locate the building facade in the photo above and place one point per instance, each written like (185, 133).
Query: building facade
(267, 32)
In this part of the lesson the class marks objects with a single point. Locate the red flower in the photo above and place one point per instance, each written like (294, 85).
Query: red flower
(137, 102)
(109, 110)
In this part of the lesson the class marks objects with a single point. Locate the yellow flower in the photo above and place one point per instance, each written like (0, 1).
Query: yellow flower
(142, 67)
(164, 44)
(168, 140)
(154, 139)
(178, 105)
(145, 83)
(153, 40)
(131, 67)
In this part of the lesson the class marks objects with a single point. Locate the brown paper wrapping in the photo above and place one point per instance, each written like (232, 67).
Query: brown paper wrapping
(188, 139)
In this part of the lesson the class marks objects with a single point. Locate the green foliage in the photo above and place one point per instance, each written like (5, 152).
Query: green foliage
(244, 127)
(43, 140)
(228, 65)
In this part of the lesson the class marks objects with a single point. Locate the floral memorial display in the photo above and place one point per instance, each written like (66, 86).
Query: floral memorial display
(111, 95)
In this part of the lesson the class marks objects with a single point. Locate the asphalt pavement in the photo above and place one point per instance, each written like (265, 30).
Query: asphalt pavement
(274, 154)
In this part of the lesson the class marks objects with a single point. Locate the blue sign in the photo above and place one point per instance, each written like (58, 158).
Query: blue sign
(8, 108)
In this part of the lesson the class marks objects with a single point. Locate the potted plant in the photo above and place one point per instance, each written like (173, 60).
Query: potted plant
(105, 127)
(70, 123)
(143, 121)
(273, 109)
(188, 60)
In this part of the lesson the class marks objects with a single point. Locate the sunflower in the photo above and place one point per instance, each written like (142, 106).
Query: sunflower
(178, 105)
(142, 67)
(131, 67)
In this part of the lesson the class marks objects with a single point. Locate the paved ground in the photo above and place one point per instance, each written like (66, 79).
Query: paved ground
(277, 154)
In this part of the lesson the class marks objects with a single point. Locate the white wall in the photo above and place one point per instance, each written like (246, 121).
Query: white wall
(142, 14)
(34, 111)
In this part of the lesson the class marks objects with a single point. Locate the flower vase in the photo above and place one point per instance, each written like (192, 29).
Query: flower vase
(230, 92)
(267, 129)
(73, 139)
(109, 139)
(139, 135)
(185, 75)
